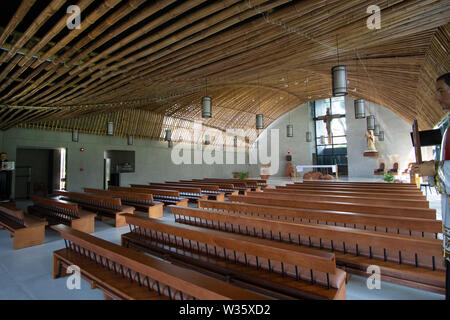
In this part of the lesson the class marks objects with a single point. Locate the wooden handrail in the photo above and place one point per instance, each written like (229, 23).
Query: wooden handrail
(163, 186)
(192, 283)
(403, 223)
(305, 257)
(84, 196)
(56, 203)
(357, 189)
(162, 192)
(121, 194)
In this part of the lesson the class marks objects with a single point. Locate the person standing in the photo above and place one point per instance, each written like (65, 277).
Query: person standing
(439, 173)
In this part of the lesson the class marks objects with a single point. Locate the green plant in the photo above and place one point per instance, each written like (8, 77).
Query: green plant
(388, 177)
(243, 175)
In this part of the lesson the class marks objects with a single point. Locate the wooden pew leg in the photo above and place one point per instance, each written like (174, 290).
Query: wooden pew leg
(182, 204)
(341, 294)
(220, 197)
(120, 220)
(83, 224)
(58, 270)
(28, 237)
(155, 211)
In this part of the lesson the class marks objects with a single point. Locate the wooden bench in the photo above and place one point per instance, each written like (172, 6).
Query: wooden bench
(406, 260)
(361, 200)
(193, 194)
(212, 191)
(205, 187)
(358, 189)
(417, 227)
(279, 270)
(238, 183)
(228, 188)
(26, 230)
(261, 183)
(106, 207)
(167, 197)
(351, 193)
(140, 201)
(56, 211)
(360, 184)
(122, 273)
(290, 201)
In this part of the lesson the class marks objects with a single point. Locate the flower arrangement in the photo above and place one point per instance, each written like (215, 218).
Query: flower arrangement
(388, 177)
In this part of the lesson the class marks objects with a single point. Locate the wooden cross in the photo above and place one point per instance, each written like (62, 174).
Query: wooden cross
(327, 119)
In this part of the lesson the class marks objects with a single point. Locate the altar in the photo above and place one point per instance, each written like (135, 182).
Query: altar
(334, 168)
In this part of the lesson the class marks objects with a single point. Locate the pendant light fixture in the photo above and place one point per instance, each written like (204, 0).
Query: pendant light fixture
(376, 131)
(322, 139)
(110, 128)
(371, 122)
(339, 77)
(75, 135)
(206, 103)
(207, 140)
(381, 136)
(130, 140)
(359, 109)
(308, 136)
(235, 141)
(290, 128)
(259, 116)
(168, 136)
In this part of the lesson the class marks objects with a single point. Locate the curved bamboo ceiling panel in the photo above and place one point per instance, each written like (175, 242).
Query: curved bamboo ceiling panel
(148, 63)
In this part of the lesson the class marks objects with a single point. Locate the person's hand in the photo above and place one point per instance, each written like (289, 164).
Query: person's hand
(426, 169)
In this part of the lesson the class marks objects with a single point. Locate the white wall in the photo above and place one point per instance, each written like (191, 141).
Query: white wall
(396, 147)
(85, 169)
(300, 149)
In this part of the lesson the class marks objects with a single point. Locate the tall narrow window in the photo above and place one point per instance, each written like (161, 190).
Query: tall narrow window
(331, 139)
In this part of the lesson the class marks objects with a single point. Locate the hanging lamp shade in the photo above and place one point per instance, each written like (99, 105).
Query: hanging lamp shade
(206, 107)
(130, 140)
(235, 141)
(75, 135)
(381, 136)
(339, 76)
(290, 130)
(376, 131)
(168, 136)
(110, 128)
(360, 109)
(207, 140)
(170, 144)
(371, 122)
(308, 136)
(259, 122)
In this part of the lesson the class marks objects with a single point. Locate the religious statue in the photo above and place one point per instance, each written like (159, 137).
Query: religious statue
(370, 141)
(327, 119)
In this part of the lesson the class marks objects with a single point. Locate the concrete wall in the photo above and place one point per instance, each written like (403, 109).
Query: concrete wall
(396, 147)
(300, 149)
(86, 168)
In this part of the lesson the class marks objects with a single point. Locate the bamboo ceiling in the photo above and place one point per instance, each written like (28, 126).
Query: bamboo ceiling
(146, 64)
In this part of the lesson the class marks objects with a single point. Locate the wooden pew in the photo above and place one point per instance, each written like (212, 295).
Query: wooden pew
(358, 189)
(360, 184)
(290, 201)
(168, 197)
(212, 191)
(231, 188)
(26, 230)
(276, 193)
(387, 224)
(106, 207)
(59, 211)
(122, 273)
(406, 260)
(193, 194)
(350, 193)
(242, 184)
(278, 269)
(262, 183)
(140, 201)
(207, 187)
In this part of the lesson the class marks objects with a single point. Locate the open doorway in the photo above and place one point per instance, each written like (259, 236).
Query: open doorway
(39, 171)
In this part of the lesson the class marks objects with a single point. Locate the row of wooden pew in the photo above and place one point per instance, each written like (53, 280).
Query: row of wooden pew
(395, 229)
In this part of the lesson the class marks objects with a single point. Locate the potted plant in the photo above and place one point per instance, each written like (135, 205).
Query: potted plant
(388, 177)
(243, 175)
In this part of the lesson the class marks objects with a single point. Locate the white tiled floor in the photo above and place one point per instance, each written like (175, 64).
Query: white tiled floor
(26, 273)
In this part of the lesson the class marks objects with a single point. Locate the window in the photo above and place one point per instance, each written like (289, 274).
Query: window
(331, 147)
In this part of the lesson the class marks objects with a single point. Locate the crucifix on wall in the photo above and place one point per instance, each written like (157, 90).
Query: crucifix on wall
(327, 119)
